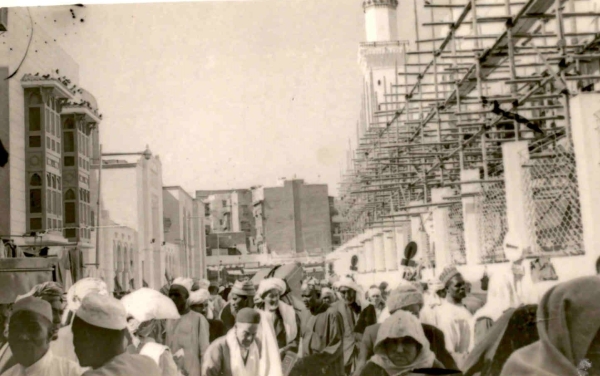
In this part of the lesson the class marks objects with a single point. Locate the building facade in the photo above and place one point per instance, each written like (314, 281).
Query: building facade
(50, 127)
(293, 218)
(184, 226)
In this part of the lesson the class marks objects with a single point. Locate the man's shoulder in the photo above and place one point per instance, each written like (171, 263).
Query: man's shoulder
(127, 364)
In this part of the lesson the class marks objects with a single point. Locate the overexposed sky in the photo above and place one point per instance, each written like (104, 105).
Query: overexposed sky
(229, 94)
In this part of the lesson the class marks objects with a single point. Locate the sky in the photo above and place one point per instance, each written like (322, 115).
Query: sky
(228, 94)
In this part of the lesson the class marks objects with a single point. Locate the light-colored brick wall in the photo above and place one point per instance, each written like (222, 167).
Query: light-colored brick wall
(316, 223)
(278, 222)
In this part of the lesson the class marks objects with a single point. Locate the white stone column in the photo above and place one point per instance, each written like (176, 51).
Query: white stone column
(389, 245)
(514, 155)
(586, 140)
(360, 253)
(368, 251)
(441, 225)
(471, 215)
(415, 227)
(379, 252)
(402, 237)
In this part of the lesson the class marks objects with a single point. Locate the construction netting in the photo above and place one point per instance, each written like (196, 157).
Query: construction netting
(493, 225)
(552, 207)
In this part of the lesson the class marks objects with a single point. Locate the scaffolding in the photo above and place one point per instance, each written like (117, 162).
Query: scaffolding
(485, 73)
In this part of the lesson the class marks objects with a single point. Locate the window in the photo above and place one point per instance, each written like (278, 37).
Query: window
(35, 142)
(35, 181)
(69, 124)
(70, 233)
(69, 212)
(49, 200)
(69, 142)
(69, 161)
(35, 119)
(35, 201)
(70, 195)
(224, 203)
(35, 223)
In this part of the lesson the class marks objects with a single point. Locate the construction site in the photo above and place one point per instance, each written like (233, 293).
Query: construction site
(478, 141)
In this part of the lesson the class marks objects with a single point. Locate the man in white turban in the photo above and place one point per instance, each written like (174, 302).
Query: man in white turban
(285, 321)
(350, 310)
(201, 303)
(240, 296)
(189, 333)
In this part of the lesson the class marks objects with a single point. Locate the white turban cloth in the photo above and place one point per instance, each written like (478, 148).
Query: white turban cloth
(187, 283)
(202, 296)
(81, 288)
(269, 284)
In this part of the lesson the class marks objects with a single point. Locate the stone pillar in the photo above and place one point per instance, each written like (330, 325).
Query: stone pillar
(389, 245)
(379, 252)
(360, 253)
(415, 227)
(586, 140)
(441, 225)
(514, 155)
(402, 237)
(471, 216)
(368, 250)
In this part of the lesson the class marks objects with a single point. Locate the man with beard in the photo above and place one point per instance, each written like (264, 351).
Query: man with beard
(350, 311)
(200, 302)
(99, 337)
(190, 332)
(241, 296)
(30, 333)
(322, 350)
(453, 317)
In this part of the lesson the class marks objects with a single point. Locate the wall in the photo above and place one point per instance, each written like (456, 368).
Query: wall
(278, 219)
(315, 218)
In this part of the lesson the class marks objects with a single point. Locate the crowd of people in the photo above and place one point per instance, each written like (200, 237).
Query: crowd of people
(340, 329)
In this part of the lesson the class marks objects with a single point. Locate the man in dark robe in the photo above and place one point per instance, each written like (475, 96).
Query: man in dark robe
(322, 350)
(406, 298)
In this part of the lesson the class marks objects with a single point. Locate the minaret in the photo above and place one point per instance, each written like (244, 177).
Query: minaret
(380, 20)
(379, 57)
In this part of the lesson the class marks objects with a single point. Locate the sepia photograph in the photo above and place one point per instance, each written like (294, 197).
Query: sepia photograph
(300, 188)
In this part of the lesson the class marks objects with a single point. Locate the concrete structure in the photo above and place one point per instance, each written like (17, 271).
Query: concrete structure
(50, 129)
(293, 219)
(223, 243)
(183, 223)
(132, 193)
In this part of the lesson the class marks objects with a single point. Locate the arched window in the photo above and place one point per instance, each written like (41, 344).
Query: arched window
(35, 181)
(48, 180)
(35, 99)
(69, 123)
(69, 195)
(53, 181)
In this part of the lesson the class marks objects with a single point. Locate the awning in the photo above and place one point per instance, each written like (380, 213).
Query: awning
(316, 269)
(235, 272)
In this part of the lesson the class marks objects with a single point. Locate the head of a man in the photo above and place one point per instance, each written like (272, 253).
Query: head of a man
(30, 330)
(246, 326)
(375, 297)
(213, 290)
(53, 293)
(99, 330)
(199, 301)
(348, 294)
(179, 295)
(456, 288)
(200, 307)
(311, 298)
(405, 297)
(271, 299)
(239, 302)
(401, 351)
(327, 295)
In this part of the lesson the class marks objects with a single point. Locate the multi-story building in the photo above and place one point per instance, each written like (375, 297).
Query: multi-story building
(293, 218)
(184, 226)
(132, 193)
(336, 222)
(49, 126)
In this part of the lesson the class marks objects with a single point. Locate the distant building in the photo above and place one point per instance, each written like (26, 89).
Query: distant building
(183, 223)
(226, 243)
(293, 218)
(336, 222)
(229, 211)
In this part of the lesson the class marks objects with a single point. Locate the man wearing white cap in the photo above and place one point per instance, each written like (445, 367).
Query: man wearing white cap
(200, 302)
(350, 311)
(283, 317)
(63, 346)
(99, 337)
(241, 296)
(30, 333)
(190, 333)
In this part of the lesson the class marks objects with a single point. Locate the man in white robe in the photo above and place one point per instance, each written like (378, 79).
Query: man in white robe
(453, 318)
(30, 333)
(248, 349)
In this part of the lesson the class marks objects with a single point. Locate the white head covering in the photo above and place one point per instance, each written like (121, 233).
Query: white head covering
(373, 290)
(204, 284)
(188, 283)
(81, 288)
(434, 285)
(147, 304)
(199, 296)
(351, 284)
(103, 311)
(326, 291)
(269, 284)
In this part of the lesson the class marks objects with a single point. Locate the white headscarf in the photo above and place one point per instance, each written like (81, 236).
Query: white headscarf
(199, 297)
(187, 283)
